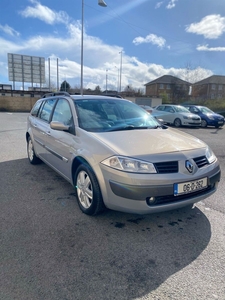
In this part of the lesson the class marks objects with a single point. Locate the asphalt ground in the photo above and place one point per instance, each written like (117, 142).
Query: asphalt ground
(49, 250)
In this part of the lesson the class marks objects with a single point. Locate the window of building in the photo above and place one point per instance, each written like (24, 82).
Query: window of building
(213, 87)
(168, 87)
(220, 87)
(161, 86)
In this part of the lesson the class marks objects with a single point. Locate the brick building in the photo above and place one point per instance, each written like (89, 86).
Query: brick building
(172, 87)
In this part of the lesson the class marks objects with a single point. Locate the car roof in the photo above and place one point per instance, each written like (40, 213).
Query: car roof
(96, 97)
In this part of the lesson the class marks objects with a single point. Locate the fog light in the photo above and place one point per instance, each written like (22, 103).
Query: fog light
(150, 200)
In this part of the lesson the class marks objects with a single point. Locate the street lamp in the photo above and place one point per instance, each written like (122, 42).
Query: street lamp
(121, 53)
(103, 4)
(106, 81)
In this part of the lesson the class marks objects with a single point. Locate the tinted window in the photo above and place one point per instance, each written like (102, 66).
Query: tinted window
(47, 109)
(62, 112)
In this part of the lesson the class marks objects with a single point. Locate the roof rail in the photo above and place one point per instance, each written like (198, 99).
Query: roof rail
(55, 94)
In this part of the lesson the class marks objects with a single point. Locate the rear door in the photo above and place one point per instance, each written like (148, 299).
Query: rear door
(40, 128)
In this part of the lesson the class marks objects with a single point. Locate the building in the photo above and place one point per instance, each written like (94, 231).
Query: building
(168, 86)
(212, 87)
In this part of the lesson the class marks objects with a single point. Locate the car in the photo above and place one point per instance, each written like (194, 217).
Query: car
(117, 156)
(147, 108)
(209, 117)
(178, 115)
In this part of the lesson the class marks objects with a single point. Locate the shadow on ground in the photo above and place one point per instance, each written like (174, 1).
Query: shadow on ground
(50, 250)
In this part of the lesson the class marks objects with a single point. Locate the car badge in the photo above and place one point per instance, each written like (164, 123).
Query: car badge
(189, 166)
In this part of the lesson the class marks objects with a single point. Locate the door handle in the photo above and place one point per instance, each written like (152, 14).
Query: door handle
(48, 133)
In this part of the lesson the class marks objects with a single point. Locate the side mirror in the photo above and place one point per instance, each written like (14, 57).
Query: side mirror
(59, 126)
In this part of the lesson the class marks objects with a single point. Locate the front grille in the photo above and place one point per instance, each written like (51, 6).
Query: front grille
(160, 200)
(201, 161)
(195, 118)
(166, 167)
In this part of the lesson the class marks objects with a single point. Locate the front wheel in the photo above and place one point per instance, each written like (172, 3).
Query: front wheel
(177, 122)
(87, 190)
(33, 159)
(204, 123)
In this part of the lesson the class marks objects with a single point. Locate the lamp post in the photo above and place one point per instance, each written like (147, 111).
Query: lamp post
(103, 4)
(106, 81)
(121, 53)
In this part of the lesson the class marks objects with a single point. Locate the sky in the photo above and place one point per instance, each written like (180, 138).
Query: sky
(127, 43)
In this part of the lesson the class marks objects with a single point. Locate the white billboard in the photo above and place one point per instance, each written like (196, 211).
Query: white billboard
(24, 68)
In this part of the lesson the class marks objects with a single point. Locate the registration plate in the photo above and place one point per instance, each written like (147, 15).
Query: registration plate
(190, 186)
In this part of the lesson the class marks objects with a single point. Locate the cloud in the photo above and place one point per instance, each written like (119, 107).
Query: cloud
(206, 48)
(9, 30)
(44, 13)
(211, 27)
(158, 4)
(171, 4)
(150, 39)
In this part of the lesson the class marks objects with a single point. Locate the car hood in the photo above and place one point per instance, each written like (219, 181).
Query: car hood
(149, 141)
(215, 115)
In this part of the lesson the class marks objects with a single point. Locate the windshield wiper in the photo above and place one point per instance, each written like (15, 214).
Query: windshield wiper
(132, 127)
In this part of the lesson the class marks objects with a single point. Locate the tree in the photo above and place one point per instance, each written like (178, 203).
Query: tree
(97, 90)
(65, 86)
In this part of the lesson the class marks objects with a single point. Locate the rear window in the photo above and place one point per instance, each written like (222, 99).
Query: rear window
(35, 109)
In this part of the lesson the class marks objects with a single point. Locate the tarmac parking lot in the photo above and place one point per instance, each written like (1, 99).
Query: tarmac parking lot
(50, 250)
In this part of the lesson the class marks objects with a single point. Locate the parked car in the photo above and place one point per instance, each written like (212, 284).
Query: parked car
(178, 115)
(209, 117)
(148, 108)
(118, 156)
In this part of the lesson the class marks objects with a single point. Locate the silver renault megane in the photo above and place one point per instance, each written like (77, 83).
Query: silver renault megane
(118, 156)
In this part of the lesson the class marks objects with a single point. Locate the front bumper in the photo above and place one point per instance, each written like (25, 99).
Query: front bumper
(136, 197)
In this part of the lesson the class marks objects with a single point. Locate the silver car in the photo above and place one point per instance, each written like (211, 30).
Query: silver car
(178, 115)
(118, 156)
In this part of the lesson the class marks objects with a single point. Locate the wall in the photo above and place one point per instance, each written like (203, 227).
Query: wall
(17, 103)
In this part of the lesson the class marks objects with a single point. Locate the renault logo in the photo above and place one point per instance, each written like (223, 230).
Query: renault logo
(189, 166)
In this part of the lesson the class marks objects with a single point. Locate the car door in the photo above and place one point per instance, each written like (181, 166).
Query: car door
(169, 116)
(60, 143)
(40, 128)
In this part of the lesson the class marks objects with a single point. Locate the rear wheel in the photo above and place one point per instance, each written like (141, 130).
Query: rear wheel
(177, 122)
(33, 159)
(204, 123)
(88, 191)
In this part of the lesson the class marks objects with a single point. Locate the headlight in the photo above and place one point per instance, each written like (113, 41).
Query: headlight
(185, 117)
(128, 164)
(210, 155)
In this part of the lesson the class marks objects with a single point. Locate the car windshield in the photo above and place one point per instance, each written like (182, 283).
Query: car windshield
(205, 110)
(181, 109)
(98, 115)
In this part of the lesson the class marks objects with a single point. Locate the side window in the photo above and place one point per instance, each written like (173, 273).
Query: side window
(47, 109)
(62, 112)
(160, 107)
(35, 109)
(194, 110)
(169, 109)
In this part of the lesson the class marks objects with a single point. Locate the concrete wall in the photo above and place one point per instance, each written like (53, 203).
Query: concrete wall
(17, 103)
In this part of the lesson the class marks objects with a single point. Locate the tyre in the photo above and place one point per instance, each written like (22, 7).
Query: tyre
(33, 159)
(87, 190)
(204, 123)
(177, 122)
